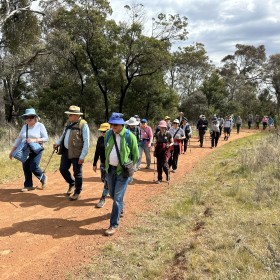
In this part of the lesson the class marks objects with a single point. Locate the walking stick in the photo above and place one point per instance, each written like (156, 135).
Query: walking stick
(55, 150)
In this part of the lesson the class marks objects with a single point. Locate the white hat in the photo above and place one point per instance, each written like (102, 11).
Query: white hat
(176, 121)
(132, 121)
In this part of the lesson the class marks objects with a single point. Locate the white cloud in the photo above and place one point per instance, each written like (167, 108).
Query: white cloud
(220, 25)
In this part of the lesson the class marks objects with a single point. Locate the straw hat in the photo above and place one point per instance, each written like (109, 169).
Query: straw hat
(74, 110)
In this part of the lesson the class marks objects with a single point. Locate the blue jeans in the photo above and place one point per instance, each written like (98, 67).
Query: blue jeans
(32, 166)
(65, 164)
(117, 186)
(104, 180)
(146, 150)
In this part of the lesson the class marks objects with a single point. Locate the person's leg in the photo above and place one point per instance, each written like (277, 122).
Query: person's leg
(201, 135)
(78, 175)
(170, 160)
(27, 174)
(140, 157)
(185, 145)
(147, 152)
(159, 166)
(65, 165)
(175, 157)
(119, 192)
(212, 139)
(217, 136)
(34, 166)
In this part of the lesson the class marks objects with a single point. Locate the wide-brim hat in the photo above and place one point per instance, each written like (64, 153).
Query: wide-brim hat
(167, 118)
(162, 123)
(74, 110)
(104, 127)
(116, 118)
(29, 112)
(132, 121)
(176, 121)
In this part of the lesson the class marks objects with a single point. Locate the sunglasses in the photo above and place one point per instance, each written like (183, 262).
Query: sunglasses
(175, 123)
(29, 117)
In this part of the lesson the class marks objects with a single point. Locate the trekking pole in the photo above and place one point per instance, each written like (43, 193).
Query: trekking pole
(49, 160)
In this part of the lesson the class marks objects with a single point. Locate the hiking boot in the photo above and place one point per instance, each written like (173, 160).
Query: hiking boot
(158, 181)
(122, 213)
(44, 183)
(173, 171)
(75, 196)
(110, 231)
(70, 190)
(27, 189)
(101, 203)
(148, 167)
(201, 145)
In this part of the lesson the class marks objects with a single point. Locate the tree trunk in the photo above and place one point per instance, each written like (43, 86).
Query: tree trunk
(2, 106)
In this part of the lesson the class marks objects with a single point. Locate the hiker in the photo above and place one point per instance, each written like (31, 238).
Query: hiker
(188, 133)
(214, 132)
(180, 118)
(164, 141)
(257, 121)
(145, 144)
(227, 127)
(133, 126)
(168, 122)
(250, 120)
(115, 157)
(202, 126)
(264, 122)
(73, 147)
(100, 154)
(178, 135)
(32, 132)
(270, 122)
(221, 124)
(238, 123)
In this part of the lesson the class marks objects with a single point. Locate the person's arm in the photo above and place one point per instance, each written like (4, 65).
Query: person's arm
(150, 133)
(134, 148)
(85, 133)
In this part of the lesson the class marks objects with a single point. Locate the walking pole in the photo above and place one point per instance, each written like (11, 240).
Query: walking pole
(54, 150)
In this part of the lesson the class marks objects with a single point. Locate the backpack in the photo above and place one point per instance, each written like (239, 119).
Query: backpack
(127, 137)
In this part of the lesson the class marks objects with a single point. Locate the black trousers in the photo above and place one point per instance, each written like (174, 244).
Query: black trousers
(215, 138)
(201, 133)
(65, 164)
(173, 160)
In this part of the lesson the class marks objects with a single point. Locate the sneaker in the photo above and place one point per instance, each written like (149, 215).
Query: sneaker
(110, 231)
(173, 171)
(122, 213)
(44, 184)
(158, 181)
(168, 178)
(101, 203)
(148, 167)
(75, 196)
(70, 190)
(27, 189)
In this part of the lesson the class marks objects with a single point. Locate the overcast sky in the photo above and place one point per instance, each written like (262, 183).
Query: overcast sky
(219, 25)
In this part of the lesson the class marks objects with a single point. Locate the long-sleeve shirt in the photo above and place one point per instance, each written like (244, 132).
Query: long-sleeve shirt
(99, 151)
(147, 134)
(34, 132)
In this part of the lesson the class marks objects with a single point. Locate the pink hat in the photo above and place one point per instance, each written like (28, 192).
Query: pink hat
(162, 124)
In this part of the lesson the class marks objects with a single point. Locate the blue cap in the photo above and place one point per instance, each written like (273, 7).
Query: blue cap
(144, 121)
(29, 112)
(116, 118)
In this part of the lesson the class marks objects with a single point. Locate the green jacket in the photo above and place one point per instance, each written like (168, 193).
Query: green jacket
(125, 150)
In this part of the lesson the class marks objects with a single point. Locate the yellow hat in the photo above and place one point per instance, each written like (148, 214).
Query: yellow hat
(167, 118)
(104, 127)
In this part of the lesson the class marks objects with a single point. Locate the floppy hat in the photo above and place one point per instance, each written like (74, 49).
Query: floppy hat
(74, 110)
(167, 118)
(201, 116)
(132, 121)
(143, 120)
(116, 118)
(104, 127)
(29, 112)
(176, 121)
(162, 123)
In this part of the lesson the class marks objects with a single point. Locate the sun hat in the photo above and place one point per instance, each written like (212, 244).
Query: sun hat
(162, 123)
(176, 121)
(201, 116)
(74, 110)
(29, 112)
(132, 121)
(116, 118)
(144, 121)
(167, 118)
(104, 127)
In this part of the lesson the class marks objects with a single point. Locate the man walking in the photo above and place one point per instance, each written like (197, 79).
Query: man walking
(202, 126)
(73, 148)
(120, 147)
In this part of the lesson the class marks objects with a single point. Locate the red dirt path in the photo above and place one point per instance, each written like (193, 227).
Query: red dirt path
(45, 236)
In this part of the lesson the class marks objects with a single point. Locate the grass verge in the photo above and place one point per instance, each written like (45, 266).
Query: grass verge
(222, 222)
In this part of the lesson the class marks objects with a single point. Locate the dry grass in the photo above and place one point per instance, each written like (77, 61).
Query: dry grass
(221, 223)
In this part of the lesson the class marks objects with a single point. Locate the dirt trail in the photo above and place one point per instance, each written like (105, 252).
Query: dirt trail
(45, 236)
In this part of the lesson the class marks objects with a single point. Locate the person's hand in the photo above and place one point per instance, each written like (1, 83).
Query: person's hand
(81, 161)
(10, 155)
(55, 146)
(94, 168)
(29, 140)
(167, 146)
(149, 145)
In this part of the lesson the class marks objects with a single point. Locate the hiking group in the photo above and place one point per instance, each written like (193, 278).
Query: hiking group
(119, 148)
